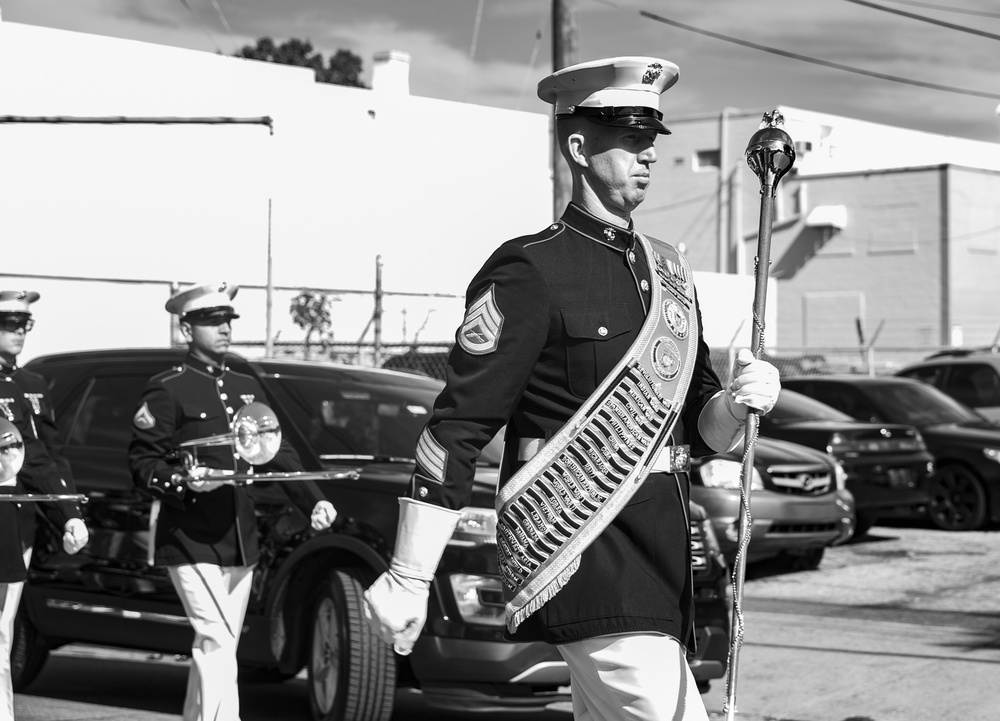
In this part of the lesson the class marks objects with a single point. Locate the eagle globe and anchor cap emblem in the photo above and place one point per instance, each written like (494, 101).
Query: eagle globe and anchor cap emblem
(653, 71)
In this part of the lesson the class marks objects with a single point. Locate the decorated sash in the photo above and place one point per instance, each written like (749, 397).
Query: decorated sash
(567, 494)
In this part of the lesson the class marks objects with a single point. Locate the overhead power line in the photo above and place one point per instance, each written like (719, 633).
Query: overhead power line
(806, 59)
(948, 8)
(925, 19)
(203, 25)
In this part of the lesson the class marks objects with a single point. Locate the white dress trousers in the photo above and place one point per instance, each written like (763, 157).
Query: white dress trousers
(632, 677)
(10, 598)
(215, 600)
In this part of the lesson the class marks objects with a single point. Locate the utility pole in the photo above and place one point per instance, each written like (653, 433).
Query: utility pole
(564, 53)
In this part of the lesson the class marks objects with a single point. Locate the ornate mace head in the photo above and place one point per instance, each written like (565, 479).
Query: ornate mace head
(770, 152)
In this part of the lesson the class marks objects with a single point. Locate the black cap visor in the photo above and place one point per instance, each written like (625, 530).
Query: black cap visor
(210, 316)
(626, 116)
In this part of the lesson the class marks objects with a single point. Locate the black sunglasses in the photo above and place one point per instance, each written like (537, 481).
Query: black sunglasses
(12, 325)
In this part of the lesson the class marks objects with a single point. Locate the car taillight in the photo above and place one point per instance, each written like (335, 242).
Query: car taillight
(476, 526)
(847, 444)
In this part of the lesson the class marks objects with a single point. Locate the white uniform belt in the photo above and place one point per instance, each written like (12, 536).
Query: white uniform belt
(670, 459)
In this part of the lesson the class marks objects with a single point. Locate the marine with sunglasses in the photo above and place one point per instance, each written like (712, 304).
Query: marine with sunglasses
(24, 402)
(15, 322)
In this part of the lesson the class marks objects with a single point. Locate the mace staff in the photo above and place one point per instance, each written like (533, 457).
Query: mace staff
(770, 154)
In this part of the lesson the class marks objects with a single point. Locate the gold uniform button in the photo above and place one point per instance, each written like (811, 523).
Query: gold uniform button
(602, 331)
(631, 256)
(644, 285)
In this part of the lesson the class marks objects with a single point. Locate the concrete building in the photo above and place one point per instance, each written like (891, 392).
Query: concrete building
(131, 167)
(172, 166)
(889, 229)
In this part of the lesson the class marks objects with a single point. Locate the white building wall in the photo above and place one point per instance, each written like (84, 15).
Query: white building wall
(347, 175)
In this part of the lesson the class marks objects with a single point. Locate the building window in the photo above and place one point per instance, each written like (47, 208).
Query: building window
(706, 160)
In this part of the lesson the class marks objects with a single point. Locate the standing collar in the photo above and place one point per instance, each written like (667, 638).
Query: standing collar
(210, 369)
(598, 230)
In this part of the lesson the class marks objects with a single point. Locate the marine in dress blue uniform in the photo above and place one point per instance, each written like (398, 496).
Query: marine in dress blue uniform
(39, 474)
(205, 530)
(548, 318)
(16, 321)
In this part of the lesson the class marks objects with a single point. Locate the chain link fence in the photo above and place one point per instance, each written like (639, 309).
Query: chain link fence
(431, 358)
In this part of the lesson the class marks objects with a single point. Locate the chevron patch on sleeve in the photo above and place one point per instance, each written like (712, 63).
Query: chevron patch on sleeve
(480, 332)
(431, 456)
(143, 419)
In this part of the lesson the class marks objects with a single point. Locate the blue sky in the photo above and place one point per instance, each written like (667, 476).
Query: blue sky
(493, 52)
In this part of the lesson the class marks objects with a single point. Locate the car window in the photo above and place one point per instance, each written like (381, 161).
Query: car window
(919, 405)
(102, 417)
(926, 374)
(841, 398)
(795, 407)
(974, 384)
(344, 418)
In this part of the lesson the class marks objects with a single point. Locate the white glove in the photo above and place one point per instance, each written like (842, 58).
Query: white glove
(753, 384)
(197, 482)
(396, 604)
(323, 515)
(75, 535)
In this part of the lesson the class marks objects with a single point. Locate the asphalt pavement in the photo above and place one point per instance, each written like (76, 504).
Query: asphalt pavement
(903, 625)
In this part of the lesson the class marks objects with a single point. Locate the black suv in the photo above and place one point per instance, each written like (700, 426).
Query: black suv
(969, 376)
(305, 610)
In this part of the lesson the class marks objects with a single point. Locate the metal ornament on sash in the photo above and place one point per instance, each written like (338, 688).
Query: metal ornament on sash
(570, 491)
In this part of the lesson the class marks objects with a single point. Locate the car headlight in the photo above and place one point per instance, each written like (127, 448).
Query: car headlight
(839, 476)
(992, 453)
(479, 598)
(476, 526)
(720, 473)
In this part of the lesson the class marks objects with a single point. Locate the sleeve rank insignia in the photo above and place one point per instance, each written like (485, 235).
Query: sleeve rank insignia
(480, 331)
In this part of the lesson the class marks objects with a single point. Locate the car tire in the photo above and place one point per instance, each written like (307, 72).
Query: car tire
(351, 671)
(806, 559)
(28, 652)
(958, 499)
(863, 524)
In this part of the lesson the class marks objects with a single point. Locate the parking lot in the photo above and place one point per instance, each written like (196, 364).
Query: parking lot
(901, 625)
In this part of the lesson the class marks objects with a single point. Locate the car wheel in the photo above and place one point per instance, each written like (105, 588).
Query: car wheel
(28, 652)
(807, 559)
(352, 673)
(958, 499)
(863, 524)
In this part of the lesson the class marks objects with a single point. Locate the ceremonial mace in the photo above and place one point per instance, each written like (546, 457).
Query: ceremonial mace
(770, 155)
